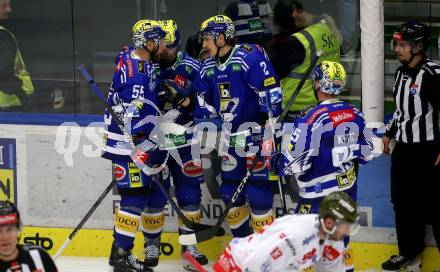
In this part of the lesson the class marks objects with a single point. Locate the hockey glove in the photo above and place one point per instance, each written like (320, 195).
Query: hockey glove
(275, 161)
(174, 93)
(138, 138)
(152, 158)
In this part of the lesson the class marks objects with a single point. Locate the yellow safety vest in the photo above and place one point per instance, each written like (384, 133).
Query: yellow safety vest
(22, 74)
(314, 37)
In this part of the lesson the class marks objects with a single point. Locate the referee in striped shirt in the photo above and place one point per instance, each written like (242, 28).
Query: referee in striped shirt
(415, 161)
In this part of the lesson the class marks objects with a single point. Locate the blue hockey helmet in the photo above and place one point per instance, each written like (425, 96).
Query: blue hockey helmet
(216, 25)
(331, 77)
(145, 30)
(172, 38)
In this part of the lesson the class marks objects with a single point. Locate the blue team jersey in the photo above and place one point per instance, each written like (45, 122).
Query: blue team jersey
(183, 72)
(133, 79)
(237, 89)
(327, 143)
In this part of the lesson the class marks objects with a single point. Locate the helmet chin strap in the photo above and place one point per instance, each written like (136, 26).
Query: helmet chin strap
(151, 52)
(406, 63)
(218, 47)
(327, 232)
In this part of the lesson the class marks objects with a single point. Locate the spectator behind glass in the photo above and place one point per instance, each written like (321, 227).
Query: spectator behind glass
(252, 20)
(317, 32)
(15, 82)
(345, 13)
(281, 42)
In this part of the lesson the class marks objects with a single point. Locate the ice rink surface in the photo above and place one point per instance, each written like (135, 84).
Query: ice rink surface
(89, 264)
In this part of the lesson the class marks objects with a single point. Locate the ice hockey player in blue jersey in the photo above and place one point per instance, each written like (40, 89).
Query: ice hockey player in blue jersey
(238, 83)
(142, 202)
(328, 141)
(178, 71)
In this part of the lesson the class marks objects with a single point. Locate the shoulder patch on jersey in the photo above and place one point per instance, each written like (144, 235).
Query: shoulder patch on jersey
(260, 48)
(315, 114)
(141, 67)
(341, 116)
(269, 81)
(188, 69)
(119, 64)
(247, 47)
(236, 67)
(130, 68)
(210, 72)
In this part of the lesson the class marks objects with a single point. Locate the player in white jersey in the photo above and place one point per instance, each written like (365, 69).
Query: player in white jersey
(295, 242)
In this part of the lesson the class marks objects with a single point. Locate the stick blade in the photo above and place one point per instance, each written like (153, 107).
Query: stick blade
(188, 239)
(194, 263)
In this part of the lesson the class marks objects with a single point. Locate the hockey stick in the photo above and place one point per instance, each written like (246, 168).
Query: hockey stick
(204, 235)
(194, 238)
(272, 135)
(188, 223)
(85, 218)
(194, 262)
(300, 85)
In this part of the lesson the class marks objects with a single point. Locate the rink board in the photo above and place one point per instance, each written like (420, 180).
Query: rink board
(97, 243)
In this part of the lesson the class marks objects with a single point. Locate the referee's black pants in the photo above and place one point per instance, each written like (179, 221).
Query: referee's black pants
(415, 195)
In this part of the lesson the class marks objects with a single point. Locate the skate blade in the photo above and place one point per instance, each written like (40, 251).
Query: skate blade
(189, 267)
(409, 268)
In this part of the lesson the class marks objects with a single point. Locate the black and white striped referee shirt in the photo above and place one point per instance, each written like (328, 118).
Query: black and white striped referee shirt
(417, 96)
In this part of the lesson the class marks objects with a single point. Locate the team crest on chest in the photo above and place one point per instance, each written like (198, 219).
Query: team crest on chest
(224, 92)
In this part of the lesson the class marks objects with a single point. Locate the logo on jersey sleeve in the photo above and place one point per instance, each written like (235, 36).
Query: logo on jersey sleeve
(310, 255)
(342, 116)
(269, 81)
(314, 115)
(209, 72)
(225, 94)
(141, 67)
(188, 69)
(130, 68)
(236, 67)
(247, 47)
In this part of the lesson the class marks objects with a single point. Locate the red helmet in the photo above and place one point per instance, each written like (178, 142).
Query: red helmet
(9, 214)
